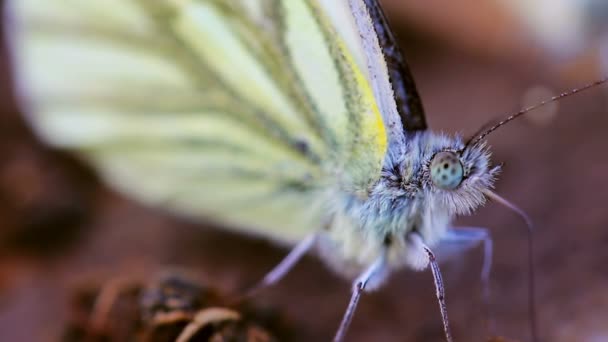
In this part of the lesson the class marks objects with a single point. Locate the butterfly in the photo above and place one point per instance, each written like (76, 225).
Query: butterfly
(297, 121)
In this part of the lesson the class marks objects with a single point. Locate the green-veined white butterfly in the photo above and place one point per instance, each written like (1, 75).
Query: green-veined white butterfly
(296, 120)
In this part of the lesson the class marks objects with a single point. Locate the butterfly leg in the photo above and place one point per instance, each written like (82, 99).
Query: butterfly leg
(279, 271)
(416, 239)
(461, 239)
(371, 278)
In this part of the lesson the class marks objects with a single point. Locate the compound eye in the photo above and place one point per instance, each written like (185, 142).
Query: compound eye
(446, 170)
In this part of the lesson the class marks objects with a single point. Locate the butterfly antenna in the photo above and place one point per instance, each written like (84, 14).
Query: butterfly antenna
(481, 135)
(531, 268)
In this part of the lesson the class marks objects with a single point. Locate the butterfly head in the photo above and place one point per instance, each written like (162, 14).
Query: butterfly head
(457, 177)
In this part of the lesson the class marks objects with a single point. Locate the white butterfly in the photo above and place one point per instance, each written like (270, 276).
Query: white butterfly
(295, 120)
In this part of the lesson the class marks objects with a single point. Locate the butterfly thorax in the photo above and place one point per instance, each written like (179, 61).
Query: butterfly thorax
(403, 201)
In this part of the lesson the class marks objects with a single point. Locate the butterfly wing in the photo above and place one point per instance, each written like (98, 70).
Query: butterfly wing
(244, 111)
(392, 82)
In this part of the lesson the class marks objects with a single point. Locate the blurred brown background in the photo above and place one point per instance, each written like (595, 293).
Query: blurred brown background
(473, 61)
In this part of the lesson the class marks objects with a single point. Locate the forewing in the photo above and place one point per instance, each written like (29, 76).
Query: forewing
(244, 111)
(390, 76)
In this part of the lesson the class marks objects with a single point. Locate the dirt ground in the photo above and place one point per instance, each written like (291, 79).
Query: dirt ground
(59, 226)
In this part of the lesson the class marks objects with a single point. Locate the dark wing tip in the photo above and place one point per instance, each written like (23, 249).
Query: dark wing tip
(409, 104)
